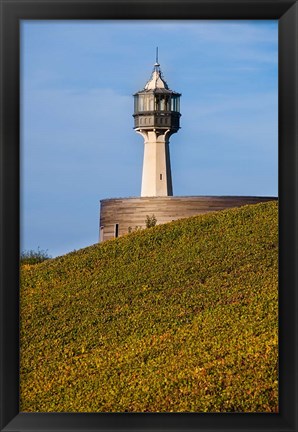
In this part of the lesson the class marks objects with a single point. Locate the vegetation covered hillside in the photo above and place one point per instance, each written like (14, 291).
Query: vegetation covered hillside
(178, 317)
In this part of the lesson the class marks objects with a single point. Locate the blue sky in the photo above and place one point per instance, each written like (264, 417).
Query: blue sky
(78, 145)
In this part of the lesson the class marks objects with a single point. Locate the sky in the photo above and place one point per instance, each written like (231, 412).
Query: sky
(78, 145)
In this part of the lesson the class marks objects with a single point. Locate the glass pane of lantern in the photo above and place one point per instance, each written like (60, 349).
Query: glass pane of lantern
(167, 103)
(141, 103)
(156, 103)
(147, 102)
(174, 104)
(151, 103)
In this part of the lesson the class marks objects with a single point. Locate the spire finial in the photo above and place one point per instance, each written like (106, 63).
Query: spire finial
(156, 63)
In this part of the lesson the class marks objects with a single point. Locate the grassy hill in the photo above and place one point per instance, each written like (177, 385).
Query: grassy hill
(179, 317)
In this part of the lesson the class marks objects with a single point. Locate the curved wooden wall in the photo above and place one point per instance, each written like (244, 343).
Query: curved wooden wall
(130, 213)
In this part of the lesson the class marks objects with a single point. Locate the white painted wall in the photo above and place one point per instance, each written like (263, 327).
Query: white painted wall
(156, 176)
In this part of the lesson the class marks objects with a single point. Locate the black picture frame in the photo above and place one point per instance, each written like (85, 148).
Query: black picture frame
(286, 12)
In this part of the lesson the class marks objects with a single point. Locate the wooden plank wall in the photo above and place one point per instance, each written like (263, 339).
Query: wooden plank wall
(130, 213)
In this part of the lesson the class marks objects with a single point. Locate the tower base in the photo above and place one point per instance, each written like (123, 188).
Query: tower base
(119, 216)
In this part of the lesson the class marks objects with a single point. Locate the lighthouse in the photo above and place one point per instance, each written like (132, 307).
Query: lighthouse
(156, 118)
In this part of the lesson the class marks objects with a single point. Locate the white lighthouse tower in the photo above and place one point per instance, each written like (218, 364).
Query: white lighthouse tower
(156, 116)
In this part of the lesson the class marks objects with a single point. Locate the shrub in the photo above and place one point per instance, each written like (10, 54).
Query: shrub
(34, 257)
(150, 221)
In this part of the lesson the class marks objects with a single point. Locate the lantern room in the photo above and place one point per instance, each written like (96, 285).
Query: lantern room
(156, 106)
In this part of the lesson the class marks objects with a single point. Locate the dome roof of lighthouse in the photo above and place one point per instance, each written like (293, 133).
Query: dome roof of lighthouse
(156, 80)
(157, 84)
